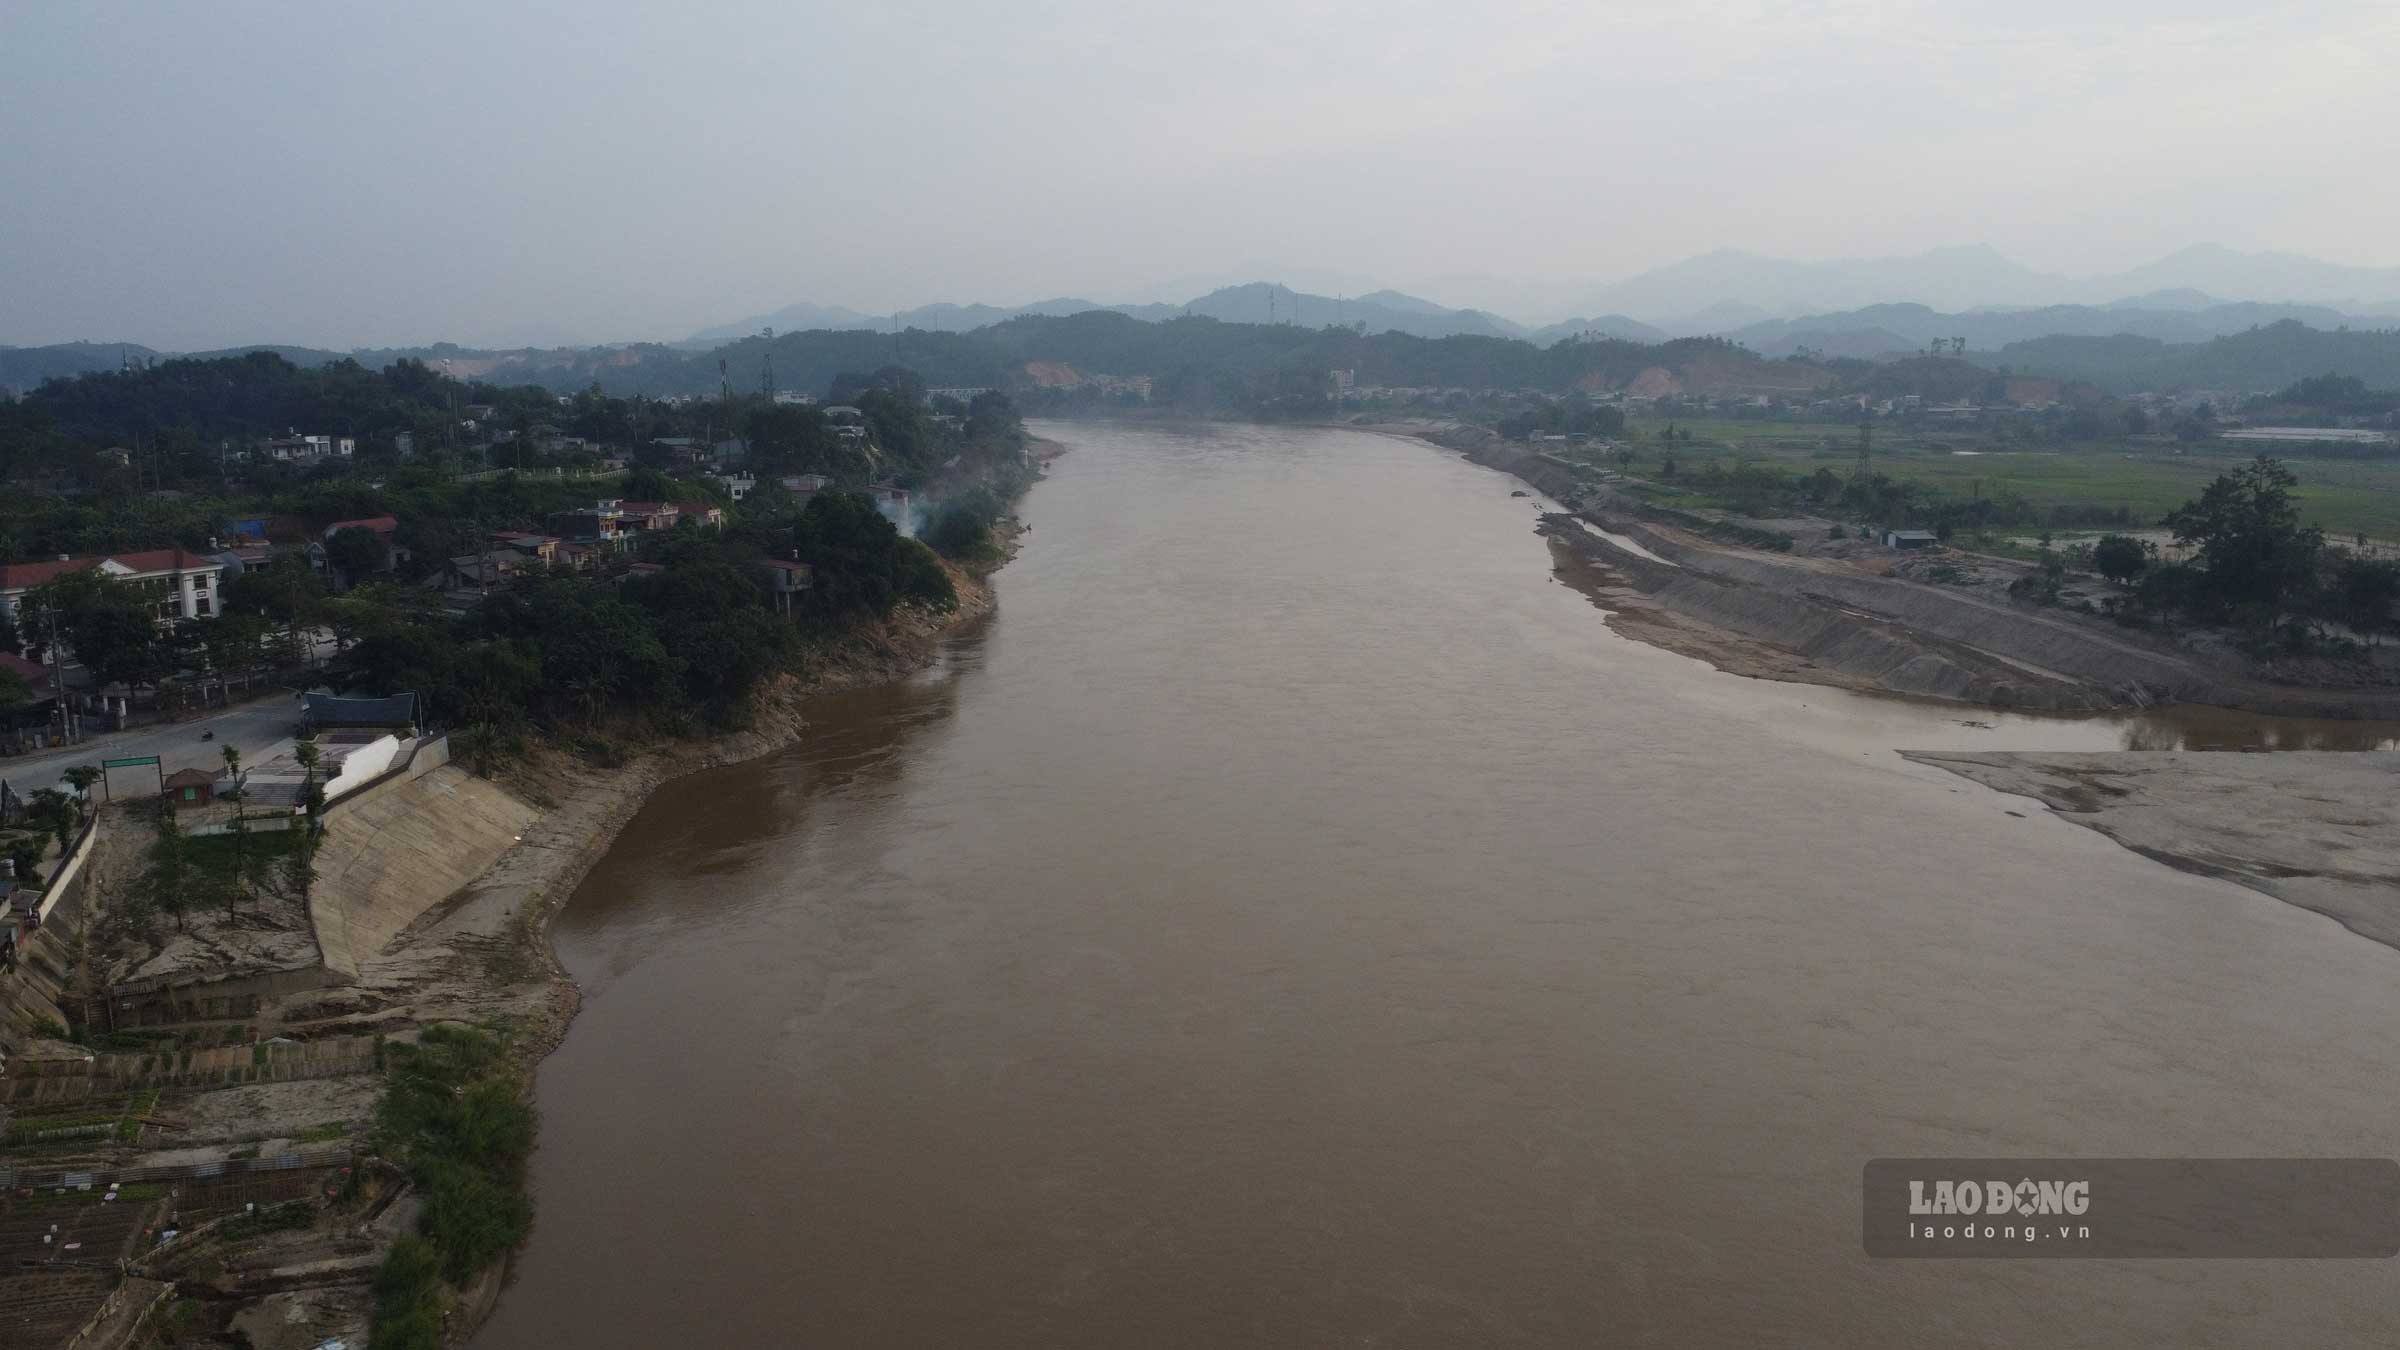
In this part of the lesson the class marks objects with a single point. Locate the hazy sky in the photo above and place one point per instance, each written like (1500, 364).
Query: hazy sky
(191, 175)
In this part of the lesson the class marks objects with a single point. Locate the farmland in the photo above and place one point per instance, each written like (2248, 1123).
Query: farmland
(2149, 477)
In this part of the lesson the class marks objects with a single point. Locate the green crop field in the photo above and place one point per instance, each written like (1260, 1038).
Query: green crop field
(2345, 496)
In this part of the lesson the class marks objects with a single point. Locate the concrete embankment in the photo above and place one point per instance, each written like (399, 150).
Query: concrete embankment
(1829, 622)
(388, 859)
(1838, 644)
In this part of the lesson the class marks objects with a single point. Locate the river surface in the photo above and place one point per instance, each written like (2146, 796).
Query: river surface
(1294, 919)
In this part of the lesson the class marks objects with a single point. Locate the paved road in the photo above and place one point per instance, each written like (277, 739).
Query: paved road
(257, 729)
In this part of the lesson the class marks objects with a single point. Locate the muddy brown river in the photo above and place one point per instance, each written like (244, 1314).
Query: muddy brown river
(1294, 919)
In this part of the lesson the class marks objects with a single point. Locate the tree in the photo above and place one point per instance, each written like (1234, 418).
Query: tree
(2136, 421)
(2364, 592)
(357, 552)
(109, 626)
(2120, 558)
(54, 811)
(2252, 548)
(287, 592)
(241, 808)
(168, 885)
(15, 693)
(81, 777)
(299, 869)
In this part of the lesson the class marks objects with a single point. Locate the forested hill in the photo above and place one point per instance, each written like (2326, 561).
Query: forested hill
(2259, 358)
(1178, 350)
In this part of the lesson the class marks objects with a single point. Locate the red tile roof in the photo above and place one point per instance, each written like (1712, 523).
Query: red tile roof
(379, 524)
(22, 576)
(35, 674)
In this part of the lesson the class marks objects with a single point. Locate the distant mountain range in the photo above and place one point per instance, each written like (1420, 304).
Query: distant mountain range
(1867, 308)
(1254, 302)
(1733, 293)
(1679, 297)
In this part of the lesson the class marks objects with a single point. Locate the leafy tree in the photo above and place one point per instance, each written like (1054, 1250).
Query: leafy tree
(168, 884)
(231, 642)
(861, 563)
(358, 552)
(2252, 548)
(26, 853)
(2119, 558)
(108, 625)
(15, 693)
(2364, 592)
(287, 592)
(241, 811)
(54, 811)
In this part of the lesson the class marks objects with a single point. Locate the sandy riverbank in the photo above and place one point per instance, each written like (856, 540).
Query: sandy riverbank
(2318, 829)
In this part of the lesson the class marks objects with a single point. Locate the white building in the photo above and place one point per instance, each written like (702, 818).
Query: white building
(299, 449)
(178, 585)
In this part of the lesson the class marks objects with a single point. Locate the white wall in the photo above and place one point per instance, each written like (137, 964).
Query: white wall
(363, 764)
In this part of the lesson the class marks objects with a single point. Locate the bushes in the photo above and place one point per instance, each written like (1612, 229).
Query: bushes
(408, 1298)
(472, 1218)
(961, 527)
(456, 1116)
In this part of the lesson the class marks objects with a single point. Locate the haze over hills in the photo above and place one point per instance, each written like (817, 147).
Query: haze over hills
(1879, 331)
(1727, 291)
(1868, 308)
(1976, 276)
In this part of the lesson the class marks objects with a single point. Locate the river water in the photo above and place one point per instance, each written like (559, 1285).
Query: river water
(1294, 919)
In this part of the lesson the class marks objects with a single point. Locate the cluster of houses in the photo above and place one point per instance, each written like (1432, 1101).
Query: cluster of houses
(584, 539)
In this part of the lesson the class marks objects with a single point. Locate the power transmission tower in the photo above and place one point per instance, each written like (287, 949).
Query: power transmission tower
(1866, 448)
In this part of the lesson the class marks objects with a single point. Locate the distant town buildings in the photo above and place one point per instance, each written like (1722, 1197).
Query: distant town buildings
(296, 448)
(2309, 435)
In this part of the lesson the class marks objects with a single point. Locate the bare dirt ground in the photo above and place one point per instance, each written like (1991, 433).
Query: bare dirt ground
(238, 1115)
(1632, 613)
(2320, 829)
